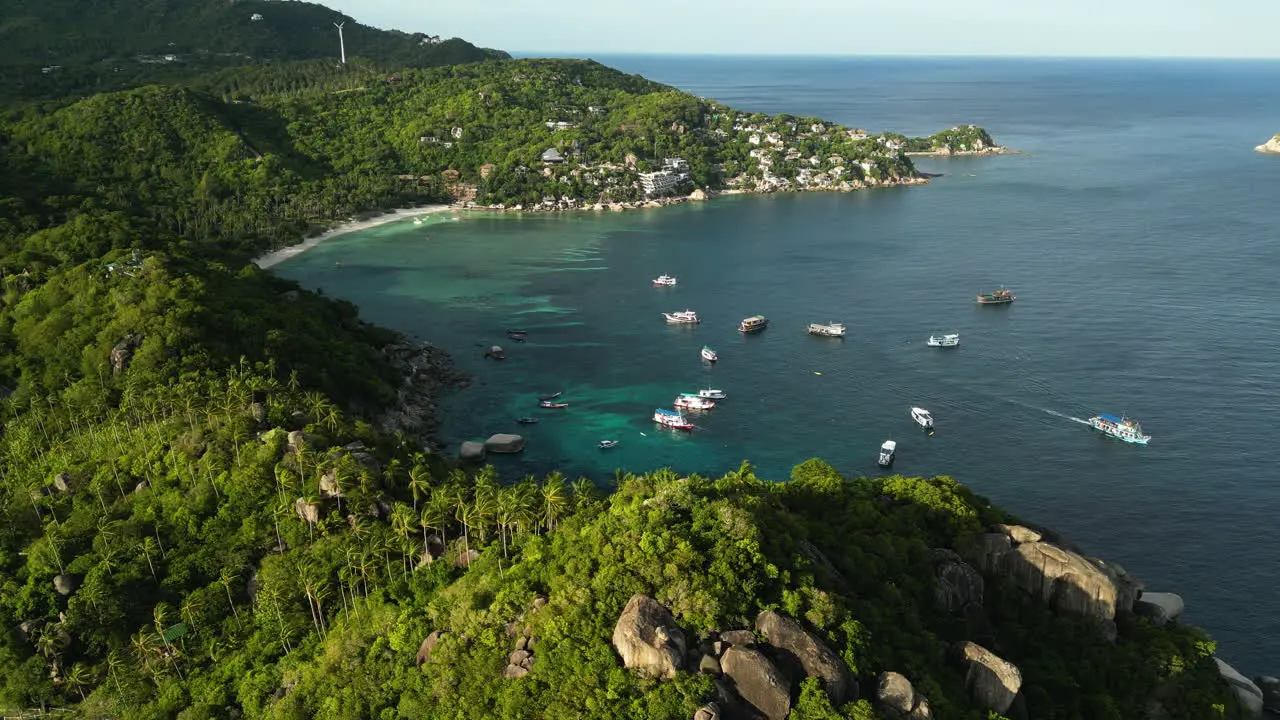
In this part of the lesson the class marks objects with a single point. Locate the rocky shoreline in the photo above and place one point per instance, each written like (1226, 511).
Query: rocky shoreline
(427, 372)
(1270, 147)
(948, 152)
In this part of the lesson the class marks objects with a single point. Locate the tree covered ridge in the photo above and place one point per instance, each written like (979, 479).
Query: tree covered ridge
(52, 48)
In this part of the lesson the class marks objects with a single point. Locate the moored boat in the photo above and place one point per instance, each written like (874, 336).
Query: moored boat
(948, 340)
(755, 323)
(527, 421)
(887, 452)
(1000, 296)
(552, 396)
(549, 404)
(922, 418)
(666, 280)
(672, 419)
(1121, 428)
(513, 331)
(689, 401)
(709, 355)
(606, 444)
(831, 329)
(712, 393)
(682, 317)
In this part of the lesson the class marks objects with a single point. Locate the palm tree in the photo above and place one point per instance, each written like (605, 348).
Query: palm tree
(553, 499)
(160, 616)
(433, 517)
(463, 512)
(114, 663)
(419, 482)
(78, 679)
(403, 519)
(148, 547)
(226, 577)
(584, 491)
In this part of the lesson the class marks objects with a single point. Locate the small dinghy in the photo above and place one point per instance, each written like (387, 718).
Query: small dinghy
(512, 331)
(552, 396)
(606, 444)
(549, 404)
(709, 355)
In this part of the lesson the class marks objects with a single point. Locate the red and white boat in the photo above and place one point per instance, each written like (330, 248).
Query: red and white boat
(549, 404)
(672, 419)
(682, 317)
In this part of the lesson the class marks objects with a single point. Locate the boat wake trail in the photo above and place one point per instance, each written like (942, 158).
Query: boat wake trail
(1072, 418)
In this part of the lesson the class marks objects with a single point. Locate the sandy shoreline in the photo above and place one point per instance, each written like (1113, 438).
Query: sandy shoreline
(278, 256)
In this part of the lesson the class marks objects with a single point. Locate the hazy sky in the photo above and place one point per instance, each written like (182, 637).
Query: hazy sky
(1188, 28)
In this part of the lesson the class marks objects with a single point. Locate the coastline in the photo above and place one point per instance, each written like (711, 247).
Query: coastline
(945, 152)
(276, 257)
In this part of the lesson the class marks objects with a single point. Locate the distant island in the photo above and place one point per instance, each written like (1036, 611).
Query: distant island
(1271, 147)
(219, 492)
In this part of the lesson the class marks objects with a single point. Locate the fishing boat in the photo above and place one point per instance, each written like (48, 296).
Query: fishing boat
(552, 396)
(549, 404)
(512, 331)
(1121, 427)
(755, 323)
(664, 280)
(711, 393)
(887, 452)
(831, 329)
(1002, 296)
(689, 401)
(948, 340)
(672, 419)
(709, 355)
(922, 418)
(606, 444)
(682, 317)
(527, 421)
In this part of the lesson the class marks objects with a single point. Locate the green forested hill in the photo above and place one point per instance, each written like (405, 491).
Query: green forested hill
(50, 48)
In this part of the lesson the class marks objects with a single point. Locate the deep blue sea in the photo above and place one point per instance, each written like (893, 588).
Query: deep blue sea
(1139, 230)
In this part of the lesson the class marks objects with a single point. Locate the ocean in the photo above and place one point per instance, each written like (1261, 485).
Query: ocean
(1138, 229)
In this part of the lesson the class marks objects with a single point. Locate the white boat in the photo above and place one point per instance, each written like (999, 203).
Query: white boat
(948, 340)
(417, 221)
(711, 393)
(672, 419)
(922, 418)
(666, 280)
(831, 329)
(887, 452)
(682, 317)
(709, 355)
(606, 444)
(1121, 428)
(693, 402)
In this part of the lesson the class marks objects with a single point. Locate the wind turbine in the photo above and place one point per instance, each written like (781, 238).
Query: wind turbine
(341, 45)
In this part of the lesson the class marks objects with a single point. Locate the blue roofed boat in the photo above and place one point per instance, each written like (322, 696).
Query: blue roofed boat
(1121, 428)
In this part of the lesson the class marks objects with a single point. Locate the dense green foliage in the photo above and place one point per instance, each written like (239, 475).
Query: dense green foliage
(52, 48)
(963, 138)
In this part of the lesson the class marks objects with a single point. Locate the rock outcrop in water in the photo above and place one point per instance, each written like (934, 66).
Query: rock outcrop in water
(1271, 147)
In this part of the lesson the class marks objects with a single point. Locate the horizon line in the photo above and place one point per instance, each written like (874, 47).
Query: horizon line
(894, 56)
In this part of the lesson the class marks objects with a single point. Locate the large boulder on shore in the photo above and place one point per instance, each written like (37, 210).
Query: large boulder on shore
(956, 584)
(1247, 694)
(504, 443)
(758, 681)
(991, 680)
(471, 451)
(897, 698)
(1161, 608)
(1068, 582)
(65, 584)
(801, 649)
(648, 639)
(1270, 688)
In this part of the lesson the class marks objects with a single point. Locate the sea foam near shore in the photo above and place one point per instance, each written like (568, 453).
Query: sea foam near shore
(278, 256)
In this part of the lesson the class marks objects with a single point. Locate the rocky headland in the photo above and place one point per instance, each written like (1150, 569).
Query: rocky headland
(1270, 147)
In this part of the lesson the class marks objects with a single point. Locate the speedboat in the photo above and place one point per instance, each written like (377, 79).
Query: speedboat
(552, 396)
(709, 355)
(549, 404)
(527, 421)
(606, 444)
(831, 329)
(755, 323)
(711, 393)
(948, 340)
(671, 418)
(887, 452)
(666, 280)
(682, 317)
(1121, 428)
(922, 418)
(693, 402)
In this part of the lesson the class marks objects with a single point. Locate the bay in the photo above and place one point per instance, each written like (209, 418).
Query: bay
(1138, 230)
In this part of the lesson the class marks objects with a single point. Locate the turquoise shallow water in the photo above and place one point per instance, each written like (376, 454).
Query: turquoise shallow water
(1138, 232)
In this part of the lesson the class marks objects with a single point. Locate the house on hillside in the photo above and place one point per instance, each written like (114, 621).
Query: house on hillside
(552, 156)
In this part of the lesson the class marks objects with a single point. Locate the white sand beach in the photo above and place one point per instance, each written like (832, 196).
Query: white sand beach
(279, 256)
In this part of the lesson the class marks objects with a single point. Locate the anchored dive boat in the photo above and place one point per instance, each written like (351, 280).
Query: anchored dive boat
(887, 452)
(831, 329)
(671, 418)
(922, 418)
(1002, 296)
(606, 444)
(527, 421)
(755, 323)
(948, 340)
(1121, 428)
(690, 401)
(682, 317)
(666, 280)
(709, 355)
(711, 393)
